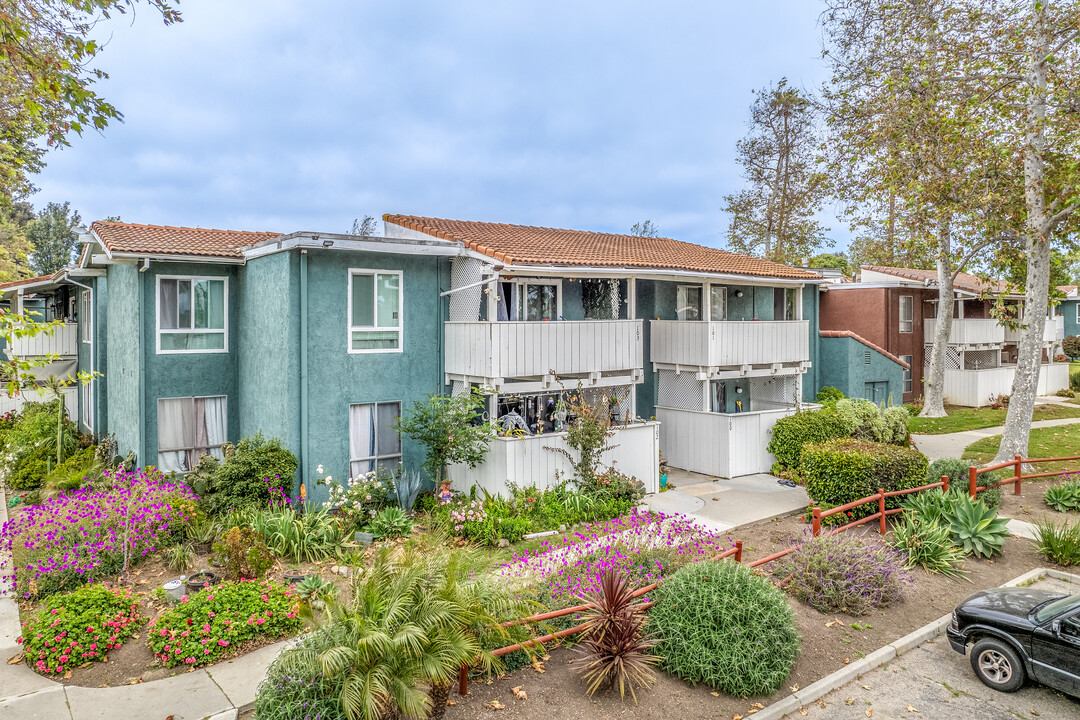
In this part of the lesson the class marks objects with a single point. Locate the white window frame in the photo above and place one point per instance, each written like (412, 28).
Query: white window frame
(350, 328)
(522, 291)
(376, 457)
(722, 289)
(683, 290)
(194, 397)
(910, 322)
(86, 315)
(908, 385)
(1078, 312)
(87, 392)
(192, 330)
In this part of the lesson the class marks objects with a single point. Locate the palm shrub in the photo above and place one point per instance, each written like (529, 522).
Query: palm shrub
(614, 642)
(417, 614)
(726, 627)
(928, 545)
(1065, 497)
(1059, 543)
(845, 572)
(976, 528)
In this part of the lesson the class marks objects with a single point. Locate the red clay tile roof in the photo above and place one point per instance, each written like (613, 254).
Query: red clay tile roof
(963, 281)
(864, 341)
(26, 281)
(166, 240)
(1067, 289)
(525, 245)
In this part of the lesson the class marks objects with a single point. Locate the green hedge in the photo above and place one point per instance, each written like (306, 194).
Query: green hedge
(789, 434)
(842, 470)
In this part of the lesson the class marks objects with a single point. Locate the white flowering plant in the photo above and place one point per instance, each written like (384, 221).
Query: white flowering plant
(360, 498)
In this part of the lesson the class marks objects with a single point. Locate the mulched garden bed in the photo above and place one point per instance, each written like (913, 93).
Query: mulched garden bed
(559, 692)
(1030, 507)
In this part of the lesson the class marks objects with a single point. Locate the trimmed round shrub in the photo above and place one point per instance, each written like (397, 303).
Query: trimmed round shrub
(829, 394)
(845, 573)
(789, 434)
(725, 627)
(867, 421)
(843, 470)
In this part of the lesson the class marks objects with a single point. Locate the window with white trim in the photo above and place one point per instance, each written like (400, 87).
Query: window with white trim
(188, 428)
(86, 317)
(192, 314)
(907, 313)
(907, 372)
(688, 302)
(717, 302)
(86, 391)
(375, 311)
(373, 439)
(1078, 312)
(540, 300)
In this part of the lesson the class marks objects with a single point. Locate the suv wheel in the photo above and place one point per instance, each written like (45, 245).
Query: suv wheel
(997, 665)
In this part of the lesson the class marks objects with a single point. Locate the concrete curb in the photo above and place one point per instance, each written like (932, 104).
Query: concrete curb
(811, 693)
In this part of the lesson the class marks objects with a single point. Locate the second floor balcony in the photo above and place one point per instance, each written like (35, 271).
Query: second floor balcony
(567, 351)
(1053, 331)
(729, 343)
(968, 331)
(63, 342)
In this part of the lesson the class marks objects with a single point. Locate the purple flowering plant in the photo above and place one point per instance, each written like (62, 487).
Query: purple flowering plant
(80, 535)
(646, 545)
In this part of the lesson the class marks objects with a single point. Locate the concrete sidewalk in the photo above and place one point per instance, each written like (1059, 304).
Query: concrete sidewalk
(219, 692)
(952, 445)
(722, 504)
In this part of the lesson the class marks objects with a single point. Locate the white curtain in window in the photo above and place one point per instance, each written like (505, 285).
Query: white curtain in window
(167, 304)
(171, 435)
(361, 439)
(214, 425)
(189, 428)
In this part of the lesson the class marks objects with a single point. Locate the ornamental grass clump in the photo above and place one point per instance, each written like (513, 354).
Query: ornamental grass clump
(79, 627)
(211, 624)
(725, 627)
(1059, 543)
(78, 536)
(845, 573)
(647, 545)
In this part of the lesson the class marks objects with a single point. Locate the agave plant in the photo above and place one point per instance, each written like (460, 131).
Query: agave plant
(615, 644)
(391, 522)
(314, 587)
(1064, 498)
(407, 488)
(928, 545)
(976, 528)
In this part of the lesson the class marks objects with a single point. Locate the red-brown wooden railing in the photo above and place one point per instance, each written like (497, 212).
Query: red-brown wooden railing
(817, 515)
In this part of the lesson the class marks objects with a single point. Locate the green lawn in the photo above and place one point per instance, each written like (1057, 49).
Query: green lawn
(962, 418)
(1060, 441)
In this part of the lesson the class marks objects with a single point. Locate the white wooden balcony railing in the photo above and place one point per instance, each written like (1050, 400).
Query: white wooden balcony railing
(968, 331)
(1053, 331)
(729, 343)
(63, 342)
(536, 349)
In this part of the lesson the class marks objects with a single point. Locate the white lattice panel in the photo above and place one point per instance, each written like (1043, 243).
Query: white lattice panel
(952, 357)
(465, 304)
(679, 390)
(774, 390)
(981, 359)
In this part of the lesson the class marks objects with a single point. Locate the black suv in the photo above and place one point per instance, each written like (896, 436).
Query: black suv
(1020, 633)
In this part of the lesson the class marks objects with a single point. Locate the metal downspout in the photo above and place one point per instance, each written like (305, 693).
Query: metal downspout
(304, 435)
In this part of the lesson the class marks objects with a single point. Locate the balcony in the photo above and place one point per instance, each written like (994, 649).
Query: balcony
(968, 331)
(729, 343)
(62, 343)
(595, 351)
(1053, 331)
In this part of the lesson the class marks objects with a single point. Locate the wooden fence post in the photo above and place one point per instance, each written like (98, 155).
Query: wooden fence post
(738, 551)
(1018, 474)
(463, 680)
(973, 481)
(881, 508)
(817, 521)
(945, 487)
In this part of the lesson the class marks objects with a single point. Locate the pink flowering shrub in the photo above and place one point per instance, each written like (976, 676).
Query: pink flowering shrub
(648, 546)
(77, 536)
(79, 627)
(211, 624)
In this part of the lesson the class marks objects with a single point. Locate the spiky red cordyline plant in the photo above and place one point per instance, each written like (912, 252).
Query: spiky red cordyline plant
(615, 643)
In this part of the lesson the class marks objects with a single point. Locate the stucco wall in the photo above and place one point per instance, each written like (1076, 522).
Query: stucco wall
(187, 375)
(1068, 311)
(843, 366)
(124, 340)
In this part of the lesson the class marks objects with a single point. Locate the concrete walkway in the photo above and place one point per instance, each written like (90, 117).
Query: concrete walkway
(219, 692)
(723, 504)
(952, 445)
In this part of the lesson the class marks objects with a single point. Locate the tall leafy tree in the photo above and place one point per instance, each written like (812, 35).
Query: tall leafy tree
(53, 238)
(773, 216)
(904, 127)
(14, 250)
(47, 79)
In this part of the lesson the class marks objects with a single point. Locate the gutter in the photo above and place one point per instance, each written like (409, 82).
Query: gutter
(333, 241)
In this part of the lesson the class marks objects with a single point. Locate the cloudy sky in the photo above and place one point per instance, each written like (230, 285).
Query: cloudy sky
(301, 115)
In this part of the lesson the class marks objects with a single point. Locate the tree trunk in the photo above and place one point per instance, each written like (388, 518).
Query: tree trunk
(439, 694)
(1014, 440)
(934, 396)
